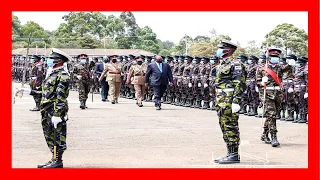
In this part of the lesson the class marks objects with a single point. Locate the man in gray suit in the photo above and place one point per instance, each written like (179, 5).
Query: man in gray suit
(160, 73)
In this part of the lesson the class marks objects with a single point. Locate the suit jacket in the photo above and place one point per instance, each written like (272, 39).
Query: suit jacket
(157, 77)
(99, 69)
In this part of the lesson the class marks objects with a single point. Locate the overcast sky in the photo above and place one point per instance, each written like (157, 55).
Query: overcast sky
(172, 26)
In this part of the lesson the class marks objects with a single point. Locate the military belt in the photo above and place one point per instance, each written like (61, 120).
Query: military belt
(300, 85)
(251, 80)
(287, 81)
(114, 72)
(139, 75)
(273, 88)
(225, 90)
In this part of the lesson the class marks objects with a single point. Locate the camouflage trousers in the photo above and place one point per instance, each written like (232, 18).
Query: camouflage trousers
(228, 121)
(84, 89)
(272, 106)
(48, 130)
(252, 96)
(37, 98)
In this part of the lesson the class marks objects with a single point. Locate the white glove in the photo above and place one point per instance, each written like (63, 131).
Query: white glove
(55, 121)
(199, 84)
(79, 77)
(34, 78)
(190, 85)
(235, 108)
(264, 80)
(305, 95)
(20, 92)
(205, 85)
(257, 89)
(290, 90)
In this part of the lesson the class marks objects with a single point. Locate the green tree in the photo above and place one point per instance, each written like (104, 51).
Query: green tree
(129, 38)
(253, 48)
(164, 52)
(289, 38)
(201, 49)
(148, 40)
(35, 30)
(16, 26)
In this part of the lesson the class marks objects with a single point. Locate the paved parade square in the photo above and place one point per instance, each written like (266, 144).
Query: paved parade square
(124, 135)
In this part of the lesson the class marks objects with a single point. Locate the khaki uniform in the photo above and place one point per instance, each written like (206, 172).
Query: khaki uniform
(138, 80)
(113, 78)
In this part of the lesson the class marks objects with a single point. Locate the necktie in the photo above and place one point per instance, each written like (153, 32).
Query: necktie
(160, 67)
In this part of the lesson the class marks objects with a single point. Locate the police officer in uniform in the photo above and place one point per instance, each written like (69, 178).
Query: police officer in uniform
(137, 74)
(114, 78)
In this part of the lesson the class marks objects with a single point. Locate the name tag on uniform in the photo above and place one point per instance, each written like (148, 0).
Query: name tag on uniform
(237, 68)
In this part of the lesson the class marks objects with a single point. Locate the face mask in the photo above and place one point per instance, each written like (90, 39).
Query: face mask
(194, 62)
(118, 60)
(32, 60)
(134, 62)
(114, 60)
(274, 60)
(165, 60)
(281, 63)
(220, 52)
(128, 59)
(50, 63)
(152, 60)
(83, 61)
(249, 61)
(298, 65)
(201, 62)
(179, 60)
(185, 61)
(287, 60)
(139, 62)
(145, 61)
(174, 61)
(100, 60)
(212, 62)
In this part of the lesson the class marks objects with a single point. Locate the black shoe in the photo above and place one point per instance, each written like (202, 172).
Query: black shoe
(243, 110)
(82, 105)
(274, 141)
(49, 162)
(113, 101)
(290, 117)
(232, 157)
(303, 119)
(140, 105)
(158, 108)
(265, 137)
(104, 100)
(253, 112)
(278, 116)
(35, 109)
(56, 163)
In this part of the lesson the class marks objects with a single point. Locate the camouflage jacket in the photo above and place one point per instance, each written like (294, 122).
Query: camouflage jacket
(82, 70)
(271, 82)
(187, 71)
(36, 74)
(251, 71)
(288, 72)
(226, 77)
(300, 76)
(55, 91)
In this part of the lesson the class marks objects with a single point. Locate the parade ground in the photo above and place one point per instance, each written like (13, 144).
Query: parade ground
(124, 135)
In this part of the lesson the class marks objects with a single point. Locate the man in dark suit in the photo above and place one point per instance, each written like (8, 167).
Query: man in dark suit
(104, 83)
(160, 72)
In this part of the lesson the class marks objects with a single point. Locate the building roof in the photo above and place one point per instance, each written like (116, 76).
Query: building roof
(89, 52)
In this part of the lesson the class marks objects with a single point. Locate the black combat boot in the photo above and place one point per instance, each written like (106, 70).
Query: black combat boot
(247, 112)
(274, 140)
(82, 106)
(169, 100)
(213, 107)
(253, 112)
(290, 116)
(37, 108)
(265, 136)
(187, 104)
(57, 163)
(278, 116)
(232, 156)
(297, 118)
(47, 163)
(182, 102)
(198, 104)
(140, 104)
(250, 111)
(303, 119)
(85, 104)
(205, 105)
(243, 109)
(283, 118)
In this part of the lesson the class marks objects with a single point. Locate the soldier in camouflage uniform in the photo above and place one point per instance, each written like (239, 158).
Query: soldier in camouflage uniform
(83, 74)
(287, 81)
(228, 95)
(251, 84)
(177, 71)
(187, 93)
(214, 62)
(271, 78)
(301, 89)
(54, 107)
(196, 81)
(170, 89)
(204, 75)
(36, 77)
(261, 63)
(244, 96)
